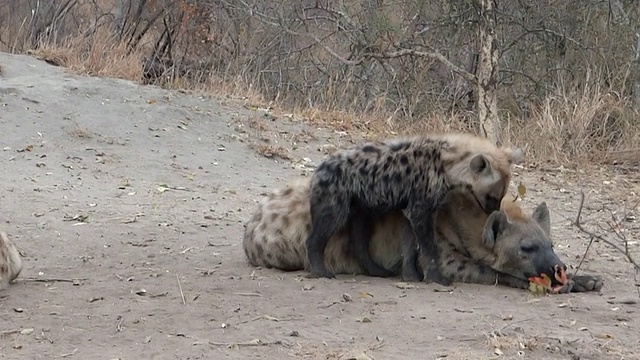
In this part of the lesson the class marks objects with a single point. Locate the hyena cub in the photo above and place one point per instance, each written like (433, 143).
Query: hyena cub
(413, 175)
(10, 262)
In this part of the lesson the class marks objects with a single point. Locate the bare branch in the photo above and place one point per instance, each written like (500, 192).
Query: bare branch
(432, 55)
(593, 236)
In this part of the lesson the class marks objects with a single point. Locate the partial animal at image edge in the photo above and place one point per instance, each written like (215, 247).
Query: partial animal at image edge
(10, 261)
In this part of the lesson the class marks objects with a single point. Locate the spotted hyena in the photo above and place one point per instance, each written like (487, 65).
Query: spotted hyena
(411, 175)
(10, 262)
(506, 247)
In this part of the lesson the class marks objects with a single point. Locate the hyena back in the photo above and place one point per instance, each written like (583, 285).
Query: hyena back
(10, 262)
(355, 186)
(474, 247)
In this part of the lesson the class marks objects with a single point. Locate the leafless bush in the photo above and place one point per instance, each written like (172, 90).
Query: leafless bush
(613, 235)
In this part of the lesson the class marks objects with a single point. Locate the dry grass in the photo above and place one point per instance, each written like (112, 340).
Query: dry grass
(512, 341)
(586, 124)
(271, 151)
(80, 132)
(576, 123)
(102, 56)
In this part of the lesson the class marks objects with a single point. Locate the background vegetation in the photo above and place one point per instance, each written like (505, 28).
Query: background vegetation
(563, 77)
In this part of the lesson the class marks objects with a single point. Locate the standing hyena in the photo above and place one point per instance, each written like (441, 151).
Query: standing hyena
(10, 262)
(506, 247)
(411, 175)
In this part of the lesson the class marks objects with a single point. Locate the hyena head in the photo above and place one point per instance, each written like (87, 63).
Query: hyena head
(482, 168)
(521, 244)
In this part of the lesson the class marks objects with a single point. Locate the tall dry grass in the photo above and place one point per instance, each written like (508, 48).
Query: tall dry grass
(579, 125)
(567, 120)
(101, 55)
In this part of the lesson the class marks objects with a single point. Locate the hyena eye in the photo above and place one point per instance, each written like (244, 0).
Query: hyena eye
(529, 248)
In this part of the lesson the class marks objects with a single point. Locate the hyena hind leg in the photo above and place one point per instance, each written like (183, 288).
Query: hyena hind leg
(411, 269)
(423, 223)
(361, 228)
(326, 220)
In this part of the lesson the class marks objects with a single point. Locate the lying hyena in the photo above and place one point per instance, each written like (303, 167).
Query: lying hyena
(10, 262)
(506, 247)
(412, 175)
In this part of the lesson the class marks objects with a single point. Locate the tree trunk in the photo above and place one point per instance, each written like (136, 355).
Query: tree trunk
(636, 73)
(486, 73)
(119, 15)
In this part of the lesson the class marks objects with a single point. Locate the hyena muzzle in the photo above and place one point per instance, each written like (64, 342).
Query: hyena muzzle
(275, 238)
(353, 187)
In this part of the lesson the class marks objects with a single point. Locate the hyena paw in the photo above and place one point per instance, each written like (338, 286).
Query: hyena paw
(381, 272)
(410, 275)
(320, 272)
(434, 275)
(564, 289)
(585, 283)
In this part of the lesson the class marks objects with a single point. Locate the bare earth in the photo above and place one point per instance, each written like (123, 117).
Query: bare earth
(136, 198)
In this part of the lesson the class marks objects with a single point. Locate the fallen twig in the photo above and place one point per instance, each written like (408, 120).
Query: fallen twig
(9, 332)
(593, 236)
(263, 317)
(51, 280)
(69, 354)
(254, 342)
(119, 324)
(181, 293)
(584, 255)
(206, 271)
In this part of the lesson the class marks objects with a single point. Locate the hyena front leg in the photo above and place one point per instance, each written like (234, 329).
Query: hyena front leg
(582, 283)
(327, 218)
(361, 228)
(461, 268)
(410, 267)
(422, 218)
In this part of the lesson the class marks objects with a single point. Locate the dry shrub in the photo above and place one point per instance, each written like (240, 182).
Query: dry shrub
(99, 55)
(512, 341)
(271, 151)
(578, 124)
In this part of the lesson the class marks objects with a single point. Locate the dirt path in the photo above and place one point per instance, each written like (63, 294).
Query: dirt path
(139, 195)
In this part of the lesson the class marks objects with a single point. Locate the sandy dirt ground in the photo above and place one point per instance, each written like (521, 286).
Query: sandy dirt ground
(128, 204)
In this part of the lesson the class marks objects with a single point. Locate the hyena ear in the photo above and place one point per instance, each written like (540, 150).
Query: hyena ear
(515, 155)
(542, 217)
(478, 163)
(492, 228)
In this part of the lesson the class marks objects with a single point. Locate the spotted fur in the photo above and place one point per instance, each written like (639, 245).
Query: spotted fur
(10, 262)
(411, 175)
(505, 247)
